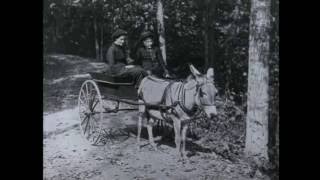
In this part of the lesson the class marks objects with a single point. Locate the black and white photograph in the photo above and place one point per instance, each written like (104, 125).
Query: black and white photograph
(161, 89)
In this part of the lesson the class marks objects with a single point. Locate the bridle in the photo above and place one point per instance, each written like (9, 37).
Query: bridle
(199, 86)
(197, 107)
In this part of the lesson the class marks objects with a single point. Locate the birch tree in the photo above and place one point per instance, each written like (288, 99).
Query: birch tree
(258, 81)
(161, 30)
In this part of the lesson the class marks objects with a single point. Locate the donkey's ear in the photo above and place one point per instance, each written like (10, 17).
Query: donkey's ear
(210, 74)
(190, 77)
(194, 71)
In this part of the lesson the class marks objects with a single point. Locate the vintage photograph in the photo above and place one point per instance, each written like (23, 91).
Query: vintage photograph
(161, 89)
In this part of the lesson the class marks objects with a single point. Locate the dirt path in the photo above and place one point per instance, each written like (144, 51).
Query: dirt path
(67, 155)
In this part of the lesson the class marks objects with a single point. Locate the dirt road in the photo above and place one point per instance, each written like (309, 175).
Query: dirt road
(67, 155)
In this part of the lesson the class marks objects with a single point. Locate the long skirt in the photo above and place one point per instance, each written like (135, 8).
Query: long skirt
(137, 73)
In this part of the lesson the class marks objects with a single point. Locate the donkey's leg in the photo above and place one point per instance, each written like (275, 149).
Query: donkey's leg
(140, 120)
(141, 117)
(149, 128)
(184, 135)
(177, 136)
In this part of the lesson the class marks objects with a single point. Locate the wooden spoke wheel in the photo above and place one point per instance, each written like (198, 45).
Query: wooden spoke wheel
(91, 112)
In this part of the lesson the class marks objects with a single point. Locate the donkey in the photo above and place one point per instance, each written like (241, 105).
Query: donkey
(196, 91)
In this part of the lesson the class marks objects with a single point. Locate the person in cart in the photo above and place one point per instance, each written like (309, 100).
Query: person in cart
(121, 65)
(150, 57)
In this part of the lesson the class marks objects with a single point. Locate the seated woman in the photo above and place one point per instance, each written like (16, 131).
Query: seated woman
(119, 61)
(150, 57)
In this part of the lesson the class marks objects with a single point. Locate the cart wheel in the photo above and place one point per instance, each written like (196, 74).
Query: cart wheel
(91, 112)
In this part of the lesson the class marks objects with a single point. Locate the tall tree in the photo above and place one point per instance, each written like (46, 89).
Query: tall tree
(258, 81)
(208, 8)
(96, 40)
(101, 42)
(211, 43)
(97, 13)
(161, 30)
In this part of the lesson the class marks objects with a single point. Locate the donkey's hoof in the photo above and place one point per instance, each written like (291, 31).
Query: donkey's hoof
(185, 160)
(184, 157)
(154, 148)
(181, 161)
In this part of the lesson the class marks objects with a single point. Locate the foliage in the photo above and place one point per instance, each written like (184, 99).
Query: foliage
(68, 28)
(225, 133)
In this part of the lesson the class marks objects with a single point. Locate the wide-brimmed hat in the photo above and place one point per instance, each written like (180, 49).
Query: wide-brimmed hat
(146, 35)
(118, 33)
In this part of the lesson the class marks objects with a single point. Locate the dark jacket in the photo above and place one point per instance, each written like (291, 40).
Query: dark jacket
(151, 59)
(116, 58)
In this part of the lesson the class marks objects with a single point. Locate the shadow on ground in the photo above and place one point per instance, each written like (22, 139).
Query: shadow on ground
(166, 138)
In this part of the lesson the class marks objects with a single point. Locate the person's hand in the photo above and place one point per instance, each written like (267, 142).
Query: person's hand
(166, 74)
(130, 60)
(129, 66)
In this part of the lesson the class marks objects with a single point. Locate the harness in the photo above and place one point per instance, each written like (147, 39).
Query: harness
(181, 101)
(166, 110)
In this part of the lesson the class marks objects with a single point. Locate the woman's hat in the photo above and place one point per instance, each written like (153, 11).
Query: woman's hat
(118, 33)
(146, 35)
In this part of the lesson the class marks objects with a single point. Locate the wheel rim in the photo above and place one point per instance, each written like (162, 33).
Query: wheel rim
(90, 112)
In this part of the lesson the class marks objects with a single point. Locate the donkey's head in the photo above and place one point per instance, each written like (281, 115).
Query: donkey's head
(205, 91)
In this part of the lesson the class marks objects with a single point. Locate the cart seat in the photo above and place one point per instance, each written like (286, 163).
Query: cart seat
(111, 79)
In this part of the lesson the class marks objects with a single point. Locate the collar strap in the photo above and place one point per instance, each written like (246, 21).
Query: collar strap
(181, 102)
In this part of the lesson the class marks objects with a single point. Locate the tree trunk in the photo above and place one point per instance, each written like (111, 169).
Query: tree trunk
(211, 32)
(205, 40)
(211, 47)
(208, 20)
(96, 41)
(161, 30)
(55, 34)
(101, 42)
(228, 74)
(258, 80)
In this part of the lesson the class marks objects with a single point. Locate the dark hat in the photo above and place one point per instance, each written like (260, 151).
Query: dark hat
(118, 33)
(146, 35)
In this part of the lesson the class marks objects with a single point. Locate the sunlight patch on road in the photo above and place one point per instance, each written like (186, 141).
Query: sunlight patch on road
(72, 78)
(60, 120)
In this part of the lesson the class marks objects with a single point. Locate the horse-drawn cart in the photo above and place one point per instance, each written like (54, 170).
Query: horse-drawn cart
(101, 96)
(170, 100)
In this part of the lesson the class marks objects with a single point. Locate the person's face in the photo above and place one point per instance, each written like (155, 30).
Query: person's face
(148, 42)
(120, 40)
